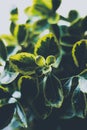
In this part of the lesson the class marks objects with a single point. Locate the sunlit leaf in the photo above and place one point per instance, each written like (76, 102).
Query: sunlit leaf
(6, 114)
(50, 60)
(37, 10)
(47, 3)
(10, 40)
(40, 61)
(23, 63)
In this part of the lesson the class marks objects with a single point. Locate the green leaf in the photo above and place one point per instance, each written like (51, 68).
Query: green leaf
(12, 27)
(40, 61)
(76, 28)
(21, 33)
(14, 14)
(53, 92)
(40, 26)
(23, 63)
(3, 50)
(21, 114)
(14, 11)
(47, 45)
(4, 92)
(56, 4)
(6, 114)
(9, 39)
(67, 110)
(56, 30)
(63, 30)
(37, 10)
(84, 24)
(50, 60)
(46, 3)
(79, 103)
(73, 15)
(79, 53)
(53, 19)
(69, 40)
(29, 88)
(39, 108)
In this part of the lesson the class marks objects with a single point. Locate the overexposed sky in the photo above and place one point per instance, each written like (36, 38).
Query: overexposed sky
(7, 5)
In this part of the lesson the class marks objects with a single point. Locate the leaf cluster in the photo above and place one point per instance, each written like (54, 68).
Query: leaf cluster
(43, 65)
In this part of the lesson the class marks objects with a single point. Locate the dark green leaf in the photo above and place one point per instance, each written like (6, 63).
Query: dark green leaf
(21, 33)
(14, 11)
(76, 28)
(56, 30)
(79, 53)
(3, 50)
(56, 4)
(63, 30)
(23, 63)
(69, 40)
(4, 93)
(29, 88)
(6, 114)
(14, 14)
(67, 110)
(40, 26)
(53, 19)
(84, 24)
(39, 107)
(73, 15)
(12, 27)
(47, 45)
(53, 92)
(79, 103)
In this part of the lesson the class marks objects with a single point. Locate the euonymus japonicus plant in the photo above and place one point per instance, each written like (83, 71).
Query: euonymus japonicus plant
(43, 67)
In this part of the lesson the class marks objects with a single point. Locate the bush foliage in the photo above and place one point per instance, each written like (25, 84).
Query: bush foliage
(43, 66)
